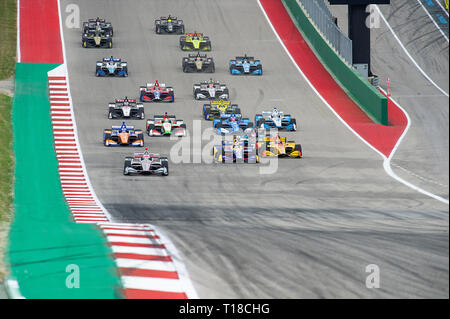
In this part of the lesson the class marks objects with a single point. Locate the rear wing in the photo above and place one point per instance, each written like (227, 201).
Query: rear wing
(274, 139)
(160, 117)
(194, 34)
(150, 85)
(268, 113)
(250, 58)
(227, 116)
(129, 100)
(130, 128)
(196, 55)
(220, 102)
(95, 20)
(153, 155)
(115, 60)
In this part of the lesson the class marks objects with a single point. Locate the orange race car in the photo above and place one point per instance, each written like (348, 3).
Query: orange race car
(123, 135)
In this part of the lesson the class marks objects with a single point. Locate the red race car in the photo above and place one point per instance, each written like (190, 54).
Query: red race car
(156, 92)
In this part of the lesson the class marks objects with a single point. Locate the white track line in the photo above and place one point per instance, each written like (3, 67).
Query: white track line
(432, 19)
(18, 54)
(443, 9)
(407, 53)
(386, 160)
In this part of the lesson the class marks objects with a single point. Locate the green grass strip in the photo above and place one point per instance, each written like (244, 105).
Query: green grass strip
(45, 245)
(8, 34)
(6, 175)
(6, 159)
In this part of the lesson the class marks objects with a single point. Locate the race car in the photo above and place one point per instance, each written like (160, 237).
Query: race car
(275, 119)
(123, 136)
(209, 90)
(216, 109)
(165, 125)
(111, 67)
(198, 63)
(232, 123)
(237, 150)
(195, 42)
(277, 146)
(156, 92)
(169, 25)
(245, 65)
(98, 25)
(125, 108)
(146, 163)
(96, 39)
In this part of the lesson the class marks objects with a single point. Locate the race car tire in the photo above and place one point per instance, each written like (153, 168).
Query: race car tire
(196, 91)
(165, 163)
(294, 122)
(106, 137)
(125, 165)
(149, 128)
(298, 147)
(84, 44)
(206, 112)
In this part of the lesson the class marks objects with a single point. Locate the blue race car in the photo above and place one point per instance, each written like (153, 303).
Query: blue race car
(232, 123)
(111, 67)
(245, 65)
(237, 150)
(275, 119)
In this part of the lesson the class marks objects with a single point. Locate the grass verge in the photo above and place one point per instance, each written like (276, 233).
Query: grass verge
(8, 34)
(6, 175)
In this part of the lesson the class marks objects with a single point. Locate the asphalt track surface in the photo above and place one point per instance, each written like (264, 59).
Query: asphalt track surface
(307, 231)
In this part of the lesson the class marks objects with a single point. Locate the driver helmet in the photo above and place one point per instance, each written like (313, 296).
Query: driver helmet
(278, 138)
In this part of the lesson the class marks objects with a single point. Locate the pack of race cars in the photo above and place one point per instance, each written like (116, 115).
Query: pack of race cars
(243, 140)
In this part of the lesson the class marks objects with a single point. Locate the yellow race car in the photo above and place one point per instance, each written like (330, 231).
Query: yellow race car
(195, 42)
(277, 146)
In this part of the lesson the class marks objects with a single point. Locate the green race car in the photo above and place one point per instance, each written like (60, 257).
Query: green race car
(195, 42)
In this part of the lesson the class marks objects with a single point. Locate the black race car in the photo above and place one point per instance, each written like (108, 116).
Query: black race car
(96, 39)
(98, 24)
(169, 25)
(125, 108)
(198, 63)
